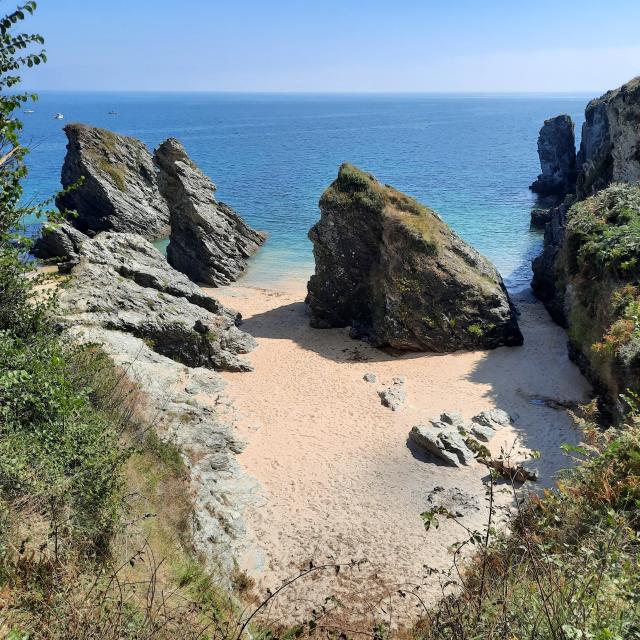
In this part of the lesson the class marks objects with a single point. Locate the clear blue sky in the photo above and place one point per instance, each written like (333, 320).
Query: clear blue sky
(337, 45)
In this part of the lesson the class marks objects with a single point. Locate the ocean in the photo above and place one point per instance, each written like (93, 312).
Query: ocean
(469, 157)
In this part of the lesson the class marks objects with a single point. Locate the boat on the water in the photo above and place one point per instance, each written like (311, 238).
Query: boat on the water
(113, 113)
(29, 110)
(59, 116)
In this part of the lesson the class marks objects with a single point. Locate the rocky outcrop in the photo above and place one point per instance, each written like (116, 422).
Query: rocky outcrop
(578, 291)
(452, 439)
(545, 284)
(168, 339)
(557, 152)
(209, 241)
(610, 145)
(394, 272)
(123, 283)
(394, 396)
(61, 241)
(188, 407)
(116, 182)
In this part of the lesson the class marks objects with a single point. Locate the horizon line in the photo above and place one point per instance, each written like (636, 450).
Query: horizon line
(322, 92)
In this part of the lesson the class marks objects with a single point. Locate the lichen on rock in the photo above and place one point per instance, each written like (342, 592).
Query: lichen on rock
(392, 270)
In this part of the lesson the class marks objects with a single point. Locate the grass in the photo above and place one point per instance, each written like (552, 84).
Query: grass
(116, 172)
(354, 188)
(600, 264)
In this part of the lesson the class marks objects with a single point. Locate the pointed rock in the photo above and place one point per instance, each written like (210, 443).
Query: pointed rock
(209, 241)
(119, 190)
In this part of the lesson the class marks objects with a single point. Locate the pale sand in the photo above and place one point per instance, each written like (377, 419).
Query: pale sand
(339, 478)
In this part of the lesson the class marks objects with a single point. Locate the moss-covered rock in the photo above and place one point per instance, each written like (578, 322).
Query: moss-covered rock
(392, 270)
(598, 282)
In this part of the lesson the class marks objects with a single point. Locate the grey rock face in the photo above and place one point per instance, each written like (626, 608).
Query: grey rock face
(209, 241)
(393, 271)
(443, 441)
(557, 152)
(609, 152)
(485, 425)
(123, 283)
(62, 241)
(119, 192)
(610, 145)
(201, 425)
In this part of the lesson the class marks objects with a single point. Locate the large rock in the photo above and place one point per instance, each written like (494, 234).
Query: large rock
(209, 241)
(557, 152)
(119, 190)
(391, 269)
(444, 441)
(123, 283)
(610, 144)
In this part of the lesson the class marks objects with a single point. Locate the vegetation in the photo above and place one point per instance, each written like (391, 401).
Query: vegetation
(356, 189)
(570, 568)
(95, 513)
(600, 260)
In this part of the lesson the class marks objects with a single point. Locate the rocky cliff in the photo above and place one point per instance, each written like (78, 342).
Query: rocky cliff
(557, 152)
(394, 272)
(115, 184)
(209, 241)
(586, 270)
(169, 339)
(119, 190)
(610, 145)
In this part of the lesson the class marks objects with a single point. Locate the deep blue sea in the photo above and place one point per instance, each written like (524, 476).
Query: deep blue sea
(470, 157)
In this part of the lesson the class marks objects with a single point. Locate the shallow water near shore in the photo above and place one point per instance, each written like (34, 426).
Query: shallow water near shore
(470, 157)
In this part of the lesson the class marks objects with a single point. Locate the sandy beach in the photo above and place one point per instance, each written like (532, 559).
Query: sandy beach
(341, 482)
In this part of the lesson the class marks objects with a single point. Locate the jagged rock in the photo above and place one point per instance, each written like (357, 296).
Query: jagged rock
(119, 192)
(209, 241)
(59, 241)
(443, 441)
(369, 377)
(123, 283)
(544, 282)
(395, 396)
(453, 418)
(399, 276)
(484, 425)
(610, 144)
(557, 152)
(201, 426)
(494, 418)
(540, 217)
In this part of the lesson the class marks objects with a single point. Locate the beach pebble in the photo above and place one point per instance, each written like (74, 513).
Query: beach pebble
(369, 377)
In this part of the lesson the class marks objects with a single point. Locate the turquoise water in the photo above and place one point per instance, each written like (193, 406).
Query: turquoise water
(470, 157)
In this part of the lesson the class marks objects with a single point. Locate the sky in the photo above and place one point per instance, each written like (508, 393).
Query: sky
(336, 45)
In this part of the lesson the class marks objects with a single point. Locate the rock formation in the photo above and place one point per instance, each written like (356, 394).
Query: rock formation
(115, 184)
(60, 241)
(452, 438)
(209, 241)
(579, 291)
(557, 152)
(123, 283)
(394, 272)
(119, 190)
(610, 145)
